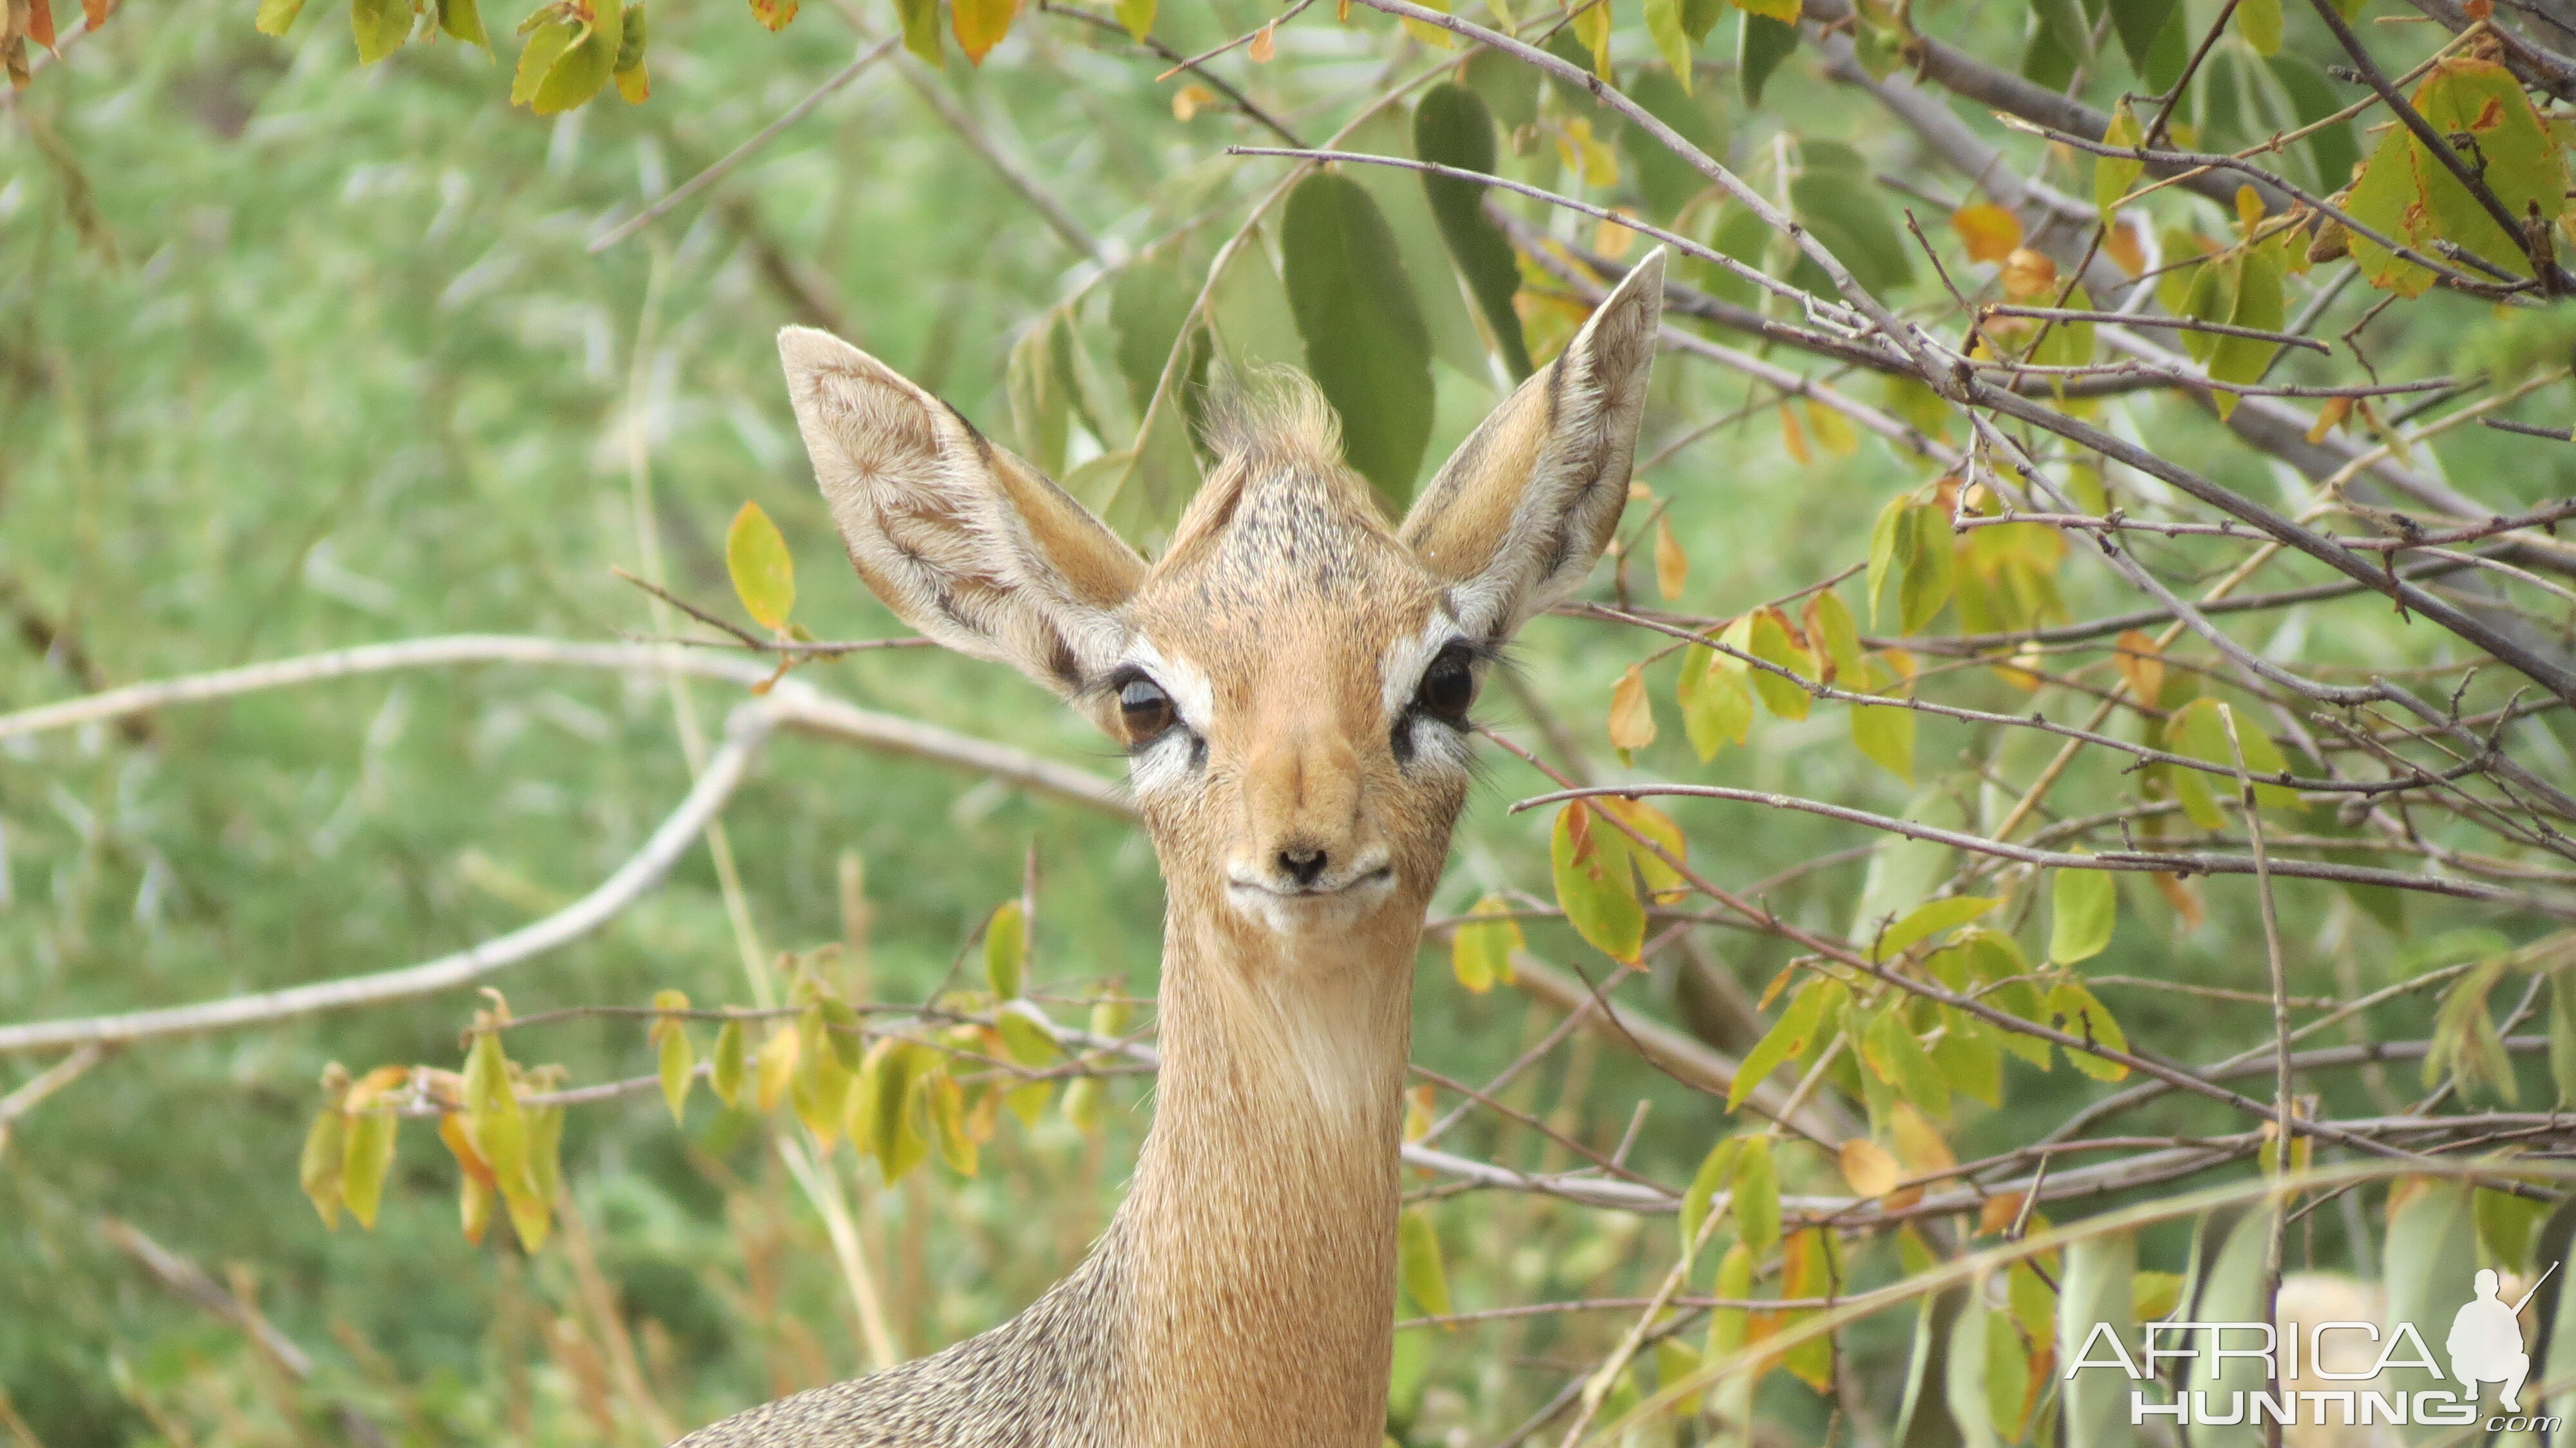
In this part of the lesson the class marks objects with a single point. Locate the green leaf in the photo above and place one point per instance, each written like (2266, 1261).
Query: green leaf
(273, 19)
(462, 20)
(2385, 198)
(1418, 1263)
(1927, 920)
(2259, 21)
(1249, 308)
(1149, 303)
(1041, 395)
(319, 1170)
(1716, 701)
(1931, 564)
(545, 45)
(764, 576)
(1855, 225)
(727, 1074)
(2196, 731)
(946, 1101)
(894, 1069)
(2096, 1287)
(1452, 127)
(1664, 26)
(1666, 181)
(1769, 642)
(1887, 539)
(1715, 1170)
(1830, 626)
(1755, 1196)
(2479, 103)
(1883, 733)
(679, 1064)
(1759, 49)
(580, 71)
(2138, 24)
(1969, 1056)
(2082, 904)
(1006, 949)
(631, 45)
(1137, 16)
(2078, 1014)
(2114, 176)
(2259, 303)
(1480, 951)
(1420, 253)
(2065, 23)
(2505, 1225)
(1595, 881)
(2464, 1039)
(1817, 1003)
(2430, 1265)
(921, 33)
(1892, 1052)
(1366, 345)
(381, 27)
(2312, 99)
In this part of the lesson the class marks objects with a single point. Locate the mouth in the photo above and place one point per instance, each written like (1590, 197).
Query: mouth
(1367, 879)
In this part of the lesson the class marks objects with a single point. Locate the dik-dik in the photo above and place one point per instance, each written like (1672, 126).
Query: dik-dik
(1291, 682)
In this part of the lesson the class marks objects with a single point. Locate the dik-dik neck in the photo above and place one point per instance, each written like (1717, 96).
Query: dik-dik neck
(1261, 1228)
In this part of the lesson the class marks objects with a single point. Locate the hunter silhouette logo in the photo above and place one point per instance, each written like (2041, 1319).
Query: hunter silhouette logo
(2485, 1345)
(2486, 1341)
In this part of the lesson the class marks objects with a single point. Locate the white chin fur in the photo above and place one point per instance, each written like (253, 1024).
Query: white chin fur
(1298, 915)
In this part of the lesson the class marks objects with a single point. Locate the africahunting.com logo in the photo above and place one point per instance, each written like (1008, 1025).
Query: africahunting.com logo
(2483, 1348)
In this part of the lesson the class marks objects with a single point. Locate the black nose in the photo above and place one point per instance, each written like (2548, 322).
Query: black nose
(1302, 864)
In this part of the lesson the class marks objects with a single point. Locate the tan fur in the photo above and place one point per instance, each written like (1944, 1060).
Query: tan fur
(1244, 1295)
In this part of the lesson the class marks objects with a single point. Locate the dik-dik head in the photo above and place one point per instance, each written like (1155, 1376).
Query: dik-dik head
(1292, 679)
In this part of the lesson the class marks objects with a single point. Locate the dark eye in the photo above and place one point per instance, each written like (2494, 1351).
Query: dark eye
(1448, 686)
(1146, 709)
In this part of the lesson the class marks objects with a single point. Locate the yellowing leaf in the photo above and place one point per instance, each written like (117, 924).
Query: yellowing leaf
(1929, 919)
(679, 1067)
(1833, 430)
(1585, 154)
(2079, 1014)
(2082, 905)
(2142, 666)
(1595, 883)
(1591, 27)
(1716, 701)
(1480, 951)
(1817, 1005)
(1426, 32)
(1006, 949)
(1756, 1196)
(726, 1076)
(318, 1172)
(2259, 21)
(774, 1068)
(1715, 1171)
(1418, 1264)
(1672, 565)
(1771, 641)
(367, 1154)
(1137, 16)
(1793, 439)
(948, 1122)
(1988, 232)
(1265, 44)
(1868, 1168)
(1190, 99)
(1632, 717)
(981, 24)
(2028, 276)
(764, 576)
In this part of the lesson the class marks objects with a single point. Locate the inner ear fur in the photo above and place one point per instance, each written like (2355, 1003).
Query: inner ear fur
(965, 542)
(1520, 512)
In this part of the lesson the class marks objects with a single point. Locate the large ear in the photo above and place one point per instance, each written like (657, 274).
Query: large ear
(967, 543)
(1517, 516)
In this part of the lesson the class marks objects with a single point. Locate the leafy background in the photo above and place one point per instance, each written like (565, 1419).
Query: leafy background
(296, 355)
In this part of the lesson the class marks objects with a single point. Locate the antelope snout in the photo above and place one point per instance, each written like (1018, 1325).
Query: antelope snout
(1306, 847)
